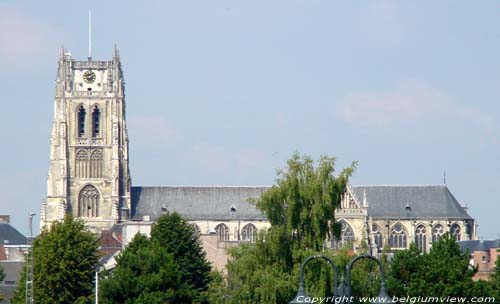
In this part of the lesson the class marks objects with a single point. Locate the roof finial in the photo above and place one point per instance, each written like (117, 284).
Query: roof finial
(444, 178)
(90, 35)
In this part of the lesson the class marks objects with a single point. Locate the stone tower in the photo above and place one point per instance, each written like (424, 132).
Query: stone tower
(89, 173)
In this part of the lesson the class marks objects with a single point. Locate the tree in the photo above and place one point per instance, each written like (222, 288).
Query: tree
(2, 276)
(145, 273)
(179, 238)
(495, 278)
(170, 267)
(444, 271)
(64, 261)
(301, 209)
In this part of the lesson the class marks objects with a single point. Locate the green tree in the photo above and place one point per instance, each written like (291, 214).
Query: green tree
(495, 279)
(64, 261)
(178, 238)
(301, 209)
(444, 271)
(145, 273)
(2, 276)
(170, 267)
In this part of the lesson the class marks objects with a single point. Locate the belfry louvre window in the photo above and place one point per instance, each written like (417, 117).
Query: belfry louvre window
(89, 163)
(81, 121)
(88, 202)
(96, 122)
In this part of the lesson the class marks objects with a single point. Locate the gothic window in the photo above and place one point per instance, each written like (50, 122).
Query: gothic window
(222, 232)
(398, 237)
(346, 236)
(81, 163)
(249, 233)
(89, 163)
(437, 232)
(96, 163)
(421, 238)
(96, 122)
(81, 121)
(377, 237)
(88, 202)
(456, 232)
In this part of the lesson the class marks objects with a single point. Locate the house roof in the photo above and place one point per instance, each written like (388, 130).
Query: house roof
(478, 245)
(214, 203)
(410, 202)
(10, 235)
(194, 203)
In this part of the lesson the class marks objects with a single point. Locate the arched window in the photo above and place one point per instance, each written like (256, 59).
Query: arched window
(96, 122)
(88, 201)
(398, 237)
(81, 121)
(249, 233)
(437, 232)
(456, 232)
(346, 236)
(96, 163)
(377, 237)
(421, 238)
(82, 163)
(222, 232)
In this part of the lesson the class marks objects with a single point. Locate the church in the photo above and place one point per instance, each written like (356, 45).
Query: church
(89, 177)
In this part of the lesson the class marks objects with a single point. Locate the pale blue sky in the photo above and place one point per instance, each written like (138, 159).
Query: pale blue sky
(223, 92)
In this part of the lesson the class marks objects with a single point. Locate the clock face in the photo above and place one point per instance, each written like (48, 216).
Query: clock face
(89, 76)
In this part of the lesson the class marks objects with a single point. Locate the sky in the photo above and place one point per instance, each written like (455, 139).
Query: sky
(223, 92)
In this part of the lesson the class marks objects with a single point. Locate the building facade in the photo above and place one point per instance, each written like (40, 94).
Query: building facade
(89, 178)
(89, 174)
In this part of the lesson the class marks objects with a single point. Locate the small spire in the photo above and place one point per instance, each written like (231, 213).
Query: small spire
(62, 51)
(365, 202)
(116, 53)
(444, 177)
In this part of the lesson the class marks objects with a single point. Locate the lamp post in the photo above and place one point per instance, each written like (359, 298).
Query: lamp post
(301, 296)
(344, 287)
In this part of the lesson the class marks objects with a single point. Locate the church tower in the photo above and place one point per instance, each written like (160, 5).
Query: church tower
(89, 172)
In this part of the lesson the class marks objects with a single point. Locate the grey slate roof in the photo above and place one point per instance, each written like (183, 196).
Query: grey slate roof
(426, 201)
(10, 236)
(196, 203)
(478, 245)
(213, 203)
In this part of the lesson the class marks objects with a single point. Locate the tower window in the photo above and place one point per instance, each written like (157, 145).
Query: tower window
(96, 122)
(88, 201)
(81, 121)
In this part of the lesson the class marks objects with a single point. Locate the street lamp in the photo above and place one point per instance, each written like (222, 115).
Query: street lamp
(344, 287)
(301, 296)
(383, 296)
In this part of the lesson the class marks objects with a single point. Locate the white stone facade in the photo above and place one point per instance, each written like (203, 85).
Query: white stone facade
(89, 174)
